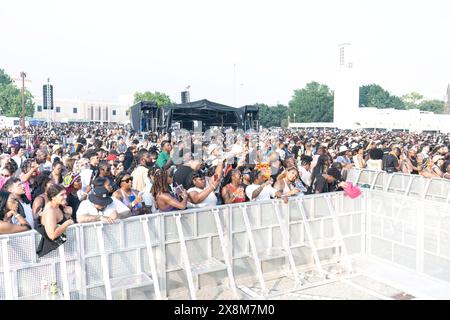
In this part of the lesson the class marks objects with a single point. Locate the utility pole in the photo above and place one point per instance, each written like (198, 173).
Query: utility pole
(23, 75)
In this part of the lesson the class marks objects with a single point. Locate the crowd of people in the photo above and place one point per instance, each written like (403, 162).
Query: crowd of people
(51, 178)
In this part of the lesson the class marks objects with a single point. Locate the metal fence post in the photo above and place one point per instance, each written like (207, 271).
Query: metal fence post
(6, 270)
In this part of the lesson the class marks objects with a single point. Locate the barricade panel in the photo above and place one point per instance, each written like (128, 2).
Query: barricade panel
(437, 267)
(296, 233)
(205, 223)
(197, 249)
(405, 230)
(94, 275)
(380, 181)
(352, 175)
(399, 183)
(367, 177)
(20, 249)
(353, 244)
(97, 293)
(29, 279)
(294, 212)
(381, 248)
(444, 244)
(404, 256)
(2, 285)
(170, 228)
(438, 190)
(71, 275)
(122, 264)
(418, 186)
(112, 236)
(267, 213)
(240, 244)
(134, 234)
(90, 239)
(237, 221)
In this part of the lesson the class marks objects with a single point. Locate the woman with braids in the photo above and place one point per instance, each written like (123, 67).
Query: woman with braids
(53, 222)
(163, 199)
(10, 219)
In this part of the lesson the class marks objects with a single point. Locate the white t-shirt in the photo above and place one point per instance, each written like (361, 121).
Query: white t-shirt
(266, 193)
(209, 201)
(87, 208)
(305, 176)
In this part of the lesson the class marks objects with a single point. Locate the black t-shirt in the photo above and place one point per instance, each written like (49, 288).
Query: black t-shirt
(414, 163)
(321, 185)
(390, 163)
(74, 203)
(183, 176)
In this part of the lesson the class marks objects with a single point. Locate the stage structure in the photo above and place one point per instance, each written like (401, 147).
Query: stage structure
(250, 117)
(147, 116)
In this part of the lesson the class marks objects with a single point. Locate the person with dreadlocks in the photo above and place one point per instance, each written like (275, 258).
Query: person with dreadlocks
(163, 199)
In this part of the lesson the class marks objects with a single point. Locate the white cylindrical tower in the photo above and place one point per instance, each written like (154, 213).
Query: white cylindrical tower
(346, 94)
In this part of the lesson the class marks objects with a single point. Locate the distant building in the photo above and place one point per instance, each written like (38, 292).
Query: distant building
(75, 110)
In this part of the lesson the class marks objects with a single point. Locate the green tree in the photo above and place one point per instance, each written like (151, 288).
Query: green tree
(160, 98)
(373, 95)
(11, 98)
(396, 103)
(272, 116)
(436, 106)
(4, 78)
(412, 100)
(314, 103)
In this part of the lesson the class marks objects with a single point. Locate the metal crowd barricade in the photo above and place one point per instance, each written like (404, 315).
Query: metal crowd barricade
(154, 256)
(414, 234)
(435, 189)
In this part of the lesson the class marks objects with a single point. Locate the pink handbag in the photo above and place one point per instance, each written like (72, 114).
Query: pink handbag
(352, 191)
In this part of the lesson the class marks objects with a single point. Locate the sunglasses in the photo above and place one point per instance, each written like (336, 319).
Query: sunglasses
(127, 180)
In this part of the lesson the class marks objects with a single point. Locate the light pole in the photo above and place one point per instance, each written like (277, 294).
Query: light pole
(294, 117)
(23, 75)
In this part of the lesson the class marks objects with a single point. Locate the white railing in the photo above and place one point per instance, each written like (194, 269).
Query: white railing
(410, 232)
(156, 256)
(436, 189)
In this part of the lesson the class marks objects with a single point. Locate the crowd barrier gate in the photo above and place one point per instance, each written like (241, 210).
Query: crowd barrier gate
(154, 256)
(436, 189)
